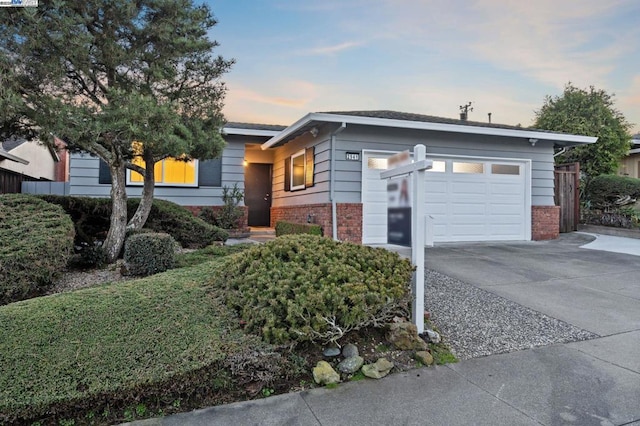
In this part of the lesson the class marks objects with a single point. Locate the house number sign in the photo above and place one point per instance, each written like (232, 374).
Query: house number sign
(353, 156)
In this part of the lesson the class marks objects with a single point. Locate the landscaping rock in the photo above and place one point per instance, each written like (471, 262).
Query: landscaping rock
(404, 336)
(424, 357)
(434, 336)
(350, 350)
(331, 352)
(378, 369)
(324, 374)
(351, 365)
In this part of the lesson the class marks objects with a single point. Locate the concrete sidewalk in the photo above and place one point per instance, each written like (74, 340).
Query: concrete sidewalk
(594, 382)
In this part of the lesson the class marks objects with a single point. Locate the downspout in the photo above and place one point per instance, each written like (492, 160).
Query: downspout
(332, 182)
(562, 151)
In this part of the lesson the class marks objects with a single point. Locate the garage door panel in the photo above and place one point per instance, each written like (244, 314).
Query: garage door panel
(468, 188)
(465, 206)
(509, 189)
(468, 230)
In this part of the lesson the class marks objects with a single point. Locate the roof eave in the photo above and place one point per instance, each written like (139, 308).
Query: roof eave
(249, 132)
(560, 139)
(5, 155)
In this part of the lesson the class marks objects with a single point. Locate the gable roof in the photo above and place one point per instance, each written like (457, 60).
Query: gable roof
(403, 120)
(252, 129)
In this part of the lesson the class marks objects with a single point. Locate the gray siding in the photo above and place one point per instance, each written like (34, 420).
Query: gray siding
(319, 192)
(83, 180)
(359, 138)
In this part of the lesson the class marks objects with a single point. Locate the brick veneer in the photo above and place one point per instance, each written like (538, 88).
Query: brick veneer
(545, 222)
(349, 218)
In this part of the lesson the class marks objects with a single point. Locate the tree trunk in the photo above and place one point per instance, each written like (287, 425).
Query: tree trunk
(117, 229)
(144, 208)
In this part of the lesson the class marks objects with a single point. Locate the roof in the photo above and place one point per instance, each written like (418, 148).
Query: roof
(395, 119)
(408, 116)
(4, 155)
(11, 143)
(252, 129)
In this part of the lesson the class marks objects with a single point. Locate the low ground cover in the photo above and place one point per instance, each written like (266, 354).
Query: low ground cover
(166, 343)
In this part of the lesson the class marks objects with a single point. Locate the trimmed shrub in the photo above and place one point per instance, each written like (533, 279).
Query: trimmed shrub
(301, 288)
(604, 190)
(286, 228)
(149, 253)
(91, 220)
(181, 224)
(36, 240)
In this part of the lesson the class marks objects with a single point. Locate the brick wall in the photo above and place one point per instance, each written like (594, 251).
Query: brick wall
(545, 222)
(349, 218)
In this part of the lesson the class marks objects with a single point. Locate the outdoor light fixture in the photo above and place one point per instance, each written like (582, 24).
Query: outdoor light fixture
(314, 131)
(533, 141)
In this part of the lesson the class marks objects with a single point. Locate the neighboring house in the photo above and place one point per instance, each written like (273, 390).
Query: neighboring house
(630, 165)
(24, 161)
(489, 181)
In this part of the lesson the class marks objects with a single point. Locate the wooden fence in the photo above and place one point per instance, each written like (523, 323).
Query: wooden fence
(567, 195)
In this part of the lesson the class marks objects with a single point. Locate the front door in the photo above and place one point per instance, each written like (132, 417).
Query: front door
(257, 193)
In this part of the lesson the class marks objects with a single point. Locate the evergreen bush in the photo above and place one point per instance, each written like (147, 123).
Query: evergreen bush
(604, 190)
(36, 241)
(287, 228)
(301, 288)
(149, 253)
(91, 220)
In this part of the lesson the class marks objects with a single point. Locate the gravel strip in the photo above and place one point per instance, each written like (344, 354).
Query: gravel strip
(478, 323)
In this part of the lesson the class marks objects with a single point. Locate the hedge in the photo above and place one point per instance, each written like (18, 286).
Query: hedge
(36, 240)
(605, 189)
(91, 220)
(300, 288)
(287, 228)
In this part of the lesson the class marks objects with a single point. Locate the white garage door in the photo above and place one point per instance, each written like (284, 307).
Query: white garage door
(470, 199)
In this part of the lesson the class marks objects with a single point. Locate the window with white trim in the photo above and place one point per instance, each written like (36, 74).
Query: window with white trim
(298, 170)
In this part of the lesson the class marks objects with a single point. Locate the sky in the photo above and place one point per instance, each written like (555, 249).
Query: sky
(424, 56)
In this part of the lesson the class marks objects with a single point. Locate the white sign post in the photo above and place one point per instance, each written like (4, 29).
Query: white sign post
(416, 170)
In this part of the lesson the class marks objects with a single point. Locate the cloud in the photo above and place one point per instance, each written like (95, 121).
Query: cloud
(330, 50)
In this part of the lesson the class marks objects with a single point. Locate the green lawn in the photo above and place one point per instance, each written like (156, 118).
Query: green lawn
(79, 349)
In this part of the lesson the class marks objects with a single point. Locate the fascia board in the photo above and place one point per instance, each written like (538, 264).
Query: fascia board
(421, 125)
(11, 157)
(248, 132)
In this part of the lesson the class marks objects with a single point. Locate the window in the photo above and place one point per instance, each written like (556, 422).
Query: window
(377, 163)
(438, 167)
(168, 172)
(505, 169)
(298, 170)
(474, 168)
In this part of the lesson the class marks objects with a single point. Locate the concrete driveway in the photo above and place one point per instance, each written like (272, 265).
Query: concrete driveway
(595, 290)
(582, 383)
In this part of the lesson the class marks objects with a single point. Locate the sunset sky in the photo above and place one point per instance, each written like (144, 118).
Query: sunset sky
(424, 56)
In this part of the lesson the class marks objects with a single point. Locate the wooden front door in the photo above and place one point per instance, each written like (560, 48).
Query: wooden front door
(257, 193)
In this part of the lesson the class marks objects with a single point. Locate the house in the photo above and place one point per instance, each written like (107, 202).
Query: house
(488, 182)
(24, 161)
(630, 165)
